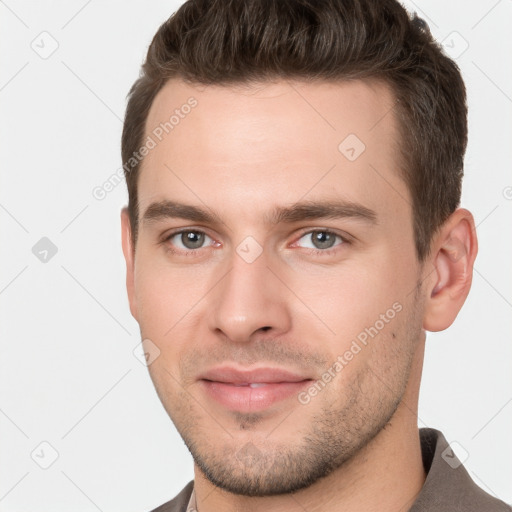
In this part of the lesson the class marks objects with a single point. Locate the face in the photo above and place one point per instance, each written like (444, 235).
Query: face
(275, 276)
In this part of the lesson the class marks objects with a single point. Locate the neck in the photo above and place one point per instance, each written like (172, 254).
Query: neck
(385, 476)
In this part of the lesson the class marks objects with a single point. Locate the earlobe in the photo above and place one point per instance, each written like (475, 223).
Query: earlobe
(129, 256)
(453, 255)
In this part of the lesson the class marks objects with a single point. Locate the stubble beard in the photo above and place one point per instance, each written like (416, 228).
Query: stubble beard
(271, 464)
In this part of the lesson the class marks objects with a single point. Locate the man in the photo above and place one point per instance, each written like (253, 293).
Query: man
(294, 173)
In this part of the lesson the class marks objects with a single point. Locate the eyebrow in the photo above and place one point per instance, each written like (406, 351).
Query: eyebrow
(305, 210)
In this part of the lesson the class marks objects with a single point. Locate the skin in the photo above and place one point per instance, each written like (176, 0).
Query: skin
(241, 152)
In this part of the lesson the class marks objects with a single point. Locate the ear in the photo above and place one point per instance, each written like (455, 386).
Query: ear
(129, 256)
(453, 254)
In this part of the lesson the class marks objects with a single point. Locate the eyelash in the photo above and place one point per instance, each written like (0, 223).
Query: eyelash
(193, 252)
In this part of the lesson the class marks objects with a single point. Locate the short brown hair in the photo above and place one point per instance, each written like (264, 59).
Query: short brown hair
(226, 42)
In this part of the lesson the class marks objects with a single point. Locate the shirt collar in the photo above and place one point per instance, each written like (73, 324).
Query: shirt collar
(192, 506)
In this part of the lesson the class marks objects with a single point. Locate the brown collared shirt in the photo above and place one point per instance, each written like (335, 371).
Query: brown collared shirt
(447, 488)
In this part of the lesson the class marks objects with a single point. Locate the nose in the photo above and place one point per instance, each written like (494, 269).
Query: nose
(250, 299)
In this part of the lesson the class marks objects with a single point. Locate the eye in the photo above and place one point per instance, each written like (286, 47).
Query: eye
(187, 240)
(321, 240)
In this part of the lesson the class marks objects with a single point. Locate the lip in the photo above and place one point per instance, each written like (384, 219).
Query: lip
(232, 389)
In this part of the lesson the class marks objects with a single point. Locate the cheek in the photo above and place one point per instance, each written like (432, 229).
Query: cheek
(164, 294)
(154, 299)
(347, 298)
(170, 304)
(361, 306)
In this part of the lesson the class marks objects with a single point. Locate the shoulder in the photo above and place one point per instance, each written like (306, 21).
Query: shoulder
(179, 502)
(448, 485)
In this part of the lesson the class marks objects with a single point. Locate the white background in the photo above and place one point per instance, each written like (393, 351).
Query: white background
(68, 375)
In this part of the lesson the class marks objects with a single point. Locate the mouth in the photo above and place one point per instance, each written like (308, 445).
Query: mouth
(253, 390)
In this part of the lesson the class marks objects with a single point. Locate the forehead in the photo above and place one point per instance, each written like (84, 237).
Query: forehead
(264, 144)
